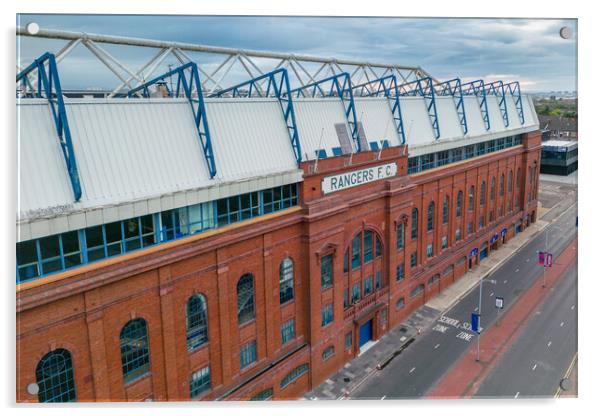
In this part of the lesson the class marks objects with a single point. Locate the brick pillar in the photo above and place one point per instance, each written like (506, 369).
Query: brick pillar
(96, 343)
(169, 336)
(269, 292)
(224, 295)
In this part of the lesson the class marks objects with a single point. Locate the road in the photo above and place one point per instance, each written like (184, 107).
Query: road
(413, 373)
(539, 358)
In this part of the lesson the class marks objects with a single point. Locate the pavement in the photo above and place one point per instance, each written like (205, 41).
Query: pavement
(361, 378)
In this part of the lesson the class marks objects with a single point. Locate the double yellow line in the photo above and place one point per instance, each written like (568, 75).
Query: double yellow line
(566, 375)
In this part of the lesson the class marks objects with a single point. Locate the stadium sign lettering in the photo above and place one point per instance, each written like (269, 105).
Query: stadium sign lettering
(358, 177)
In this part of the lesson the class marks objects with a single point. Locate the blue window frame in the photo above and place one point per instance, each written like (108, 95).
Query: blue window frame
(400, 235)
(326, 271)
(367, 285)
(413, 259)
(483, 194)
(378, 248)
(469, 152)
(356, 248)
(378, 281)
(346, 298)
(135, 356)
(327, 353)
(442, 158)
(446, 209)
(54, 377)
(368, 238)
(481, 149)
(401, 302)
(337, 151)
(200, 382)
(429, 250)
(287, 331)
(414, 223)
(427, 161)
(413, 165)
(417, 291)
(346, 261)
(327, 316)
(196, 322)
(400, 272)
(492, 192)
(355, 293)
(456, 155)
(263, 395)
(287, 292)
(374, 146)
(248, 354)
(294, 375)
(348, 340)
(245, 291)
(321, 154)
(459, 198)
(443, 242)
(429, 216)
(458, 234)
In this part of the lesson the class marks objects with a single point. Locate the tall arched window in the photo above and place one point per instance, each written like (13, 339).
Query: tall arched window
(414, 223)
(502, 184)
(459, 204)
(246, 298)
(430, 216)
(483, 194)
(196, 322)
(492, 192)
(510, 182)
(471, 198)
(135, 357)
(446, 209)
(54, 376)
(286, 280)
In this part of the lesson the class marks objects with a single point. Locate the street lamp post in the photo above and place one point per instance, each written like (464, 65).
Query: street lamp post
(479, 311)
(543, 285)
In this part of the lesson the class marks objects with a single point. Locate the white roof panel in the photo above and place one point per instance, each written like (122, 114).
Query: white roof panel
(313, 115)
(377, 119)
(249, 138)
(43, 181)
(474, 119)
(449, 122)
(416, 121)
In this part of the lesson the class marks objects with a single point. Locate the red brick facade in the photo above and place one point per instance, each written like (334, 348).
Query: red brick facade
(84, 310)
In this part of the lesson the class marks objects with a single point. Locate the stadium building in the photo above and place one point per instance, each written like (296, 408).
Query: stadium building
(248, 242)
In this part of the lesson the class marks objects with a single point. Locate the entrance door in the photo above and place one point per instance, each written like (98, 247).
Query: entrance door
(365, 332)
(483, 253)
(470, 263)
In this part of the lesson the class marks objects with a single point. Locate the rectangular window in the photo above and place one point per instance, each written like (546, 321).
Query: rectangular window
(443, 242)
(456, 155)
(469, 152)
(346, 298)
(248, 354)
(413, 165)
(355, 293)
(326, 314)
(348, 340)
(429, 250)
(367, 246)
(400, 273)
(458, 234)
(356, 260)
(287, 331)
(378, 280)
(481, 221)
(346, 262)
(480, 149)
(427, 161)
(327, 271)
(27, 260)
(442, 158)
(368, 286)
(50, 253)
(200, 381)
(413, 259)
(400, 236)
(470, 228)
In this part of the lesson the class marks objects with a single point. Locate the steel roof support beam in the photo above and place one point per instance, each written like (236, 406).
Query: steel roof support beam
(383, 87)
(424, 87)
(513, 89)
(497, 88)
(49, 87)
(477, 88)
(453, 87)
(336, 85)
(278, 86)
(188, 86)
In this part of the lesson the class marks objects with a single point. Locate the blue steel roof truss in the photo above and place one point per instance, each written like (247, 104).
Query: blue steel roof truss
(49, 87)
(477, 88)
(514, 89)
(278, 85)
(336, 85)
(497, 88)
(453, 87)
(383, 87)
(424, 88)
(187, 85)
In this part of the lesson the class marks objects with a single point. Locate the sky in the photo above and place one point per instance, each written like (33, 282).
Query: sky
(530, 51)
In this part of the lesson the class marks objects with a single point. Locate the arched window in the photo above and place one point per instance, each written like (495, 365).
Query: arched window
(430, 215)
(246, 298)
(492, 192)
(366, 252)
(446, 209)
(196, 322)
(286, 280)
(471, 198)
(510, 182)
(417, 291)
(414, 223)
(459, 204)
(135, 357)
(54, 376)
(483, 194)
(400, 235)
(502, 184)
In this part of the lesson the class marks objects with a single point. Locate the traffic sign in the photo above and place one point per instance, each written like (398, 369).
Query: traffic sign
(499, 302)
(545, 259)
(475, 320)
